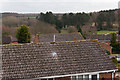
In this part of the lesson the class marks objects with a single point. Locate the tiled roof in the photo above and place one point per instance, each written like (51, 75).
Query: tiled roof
(60, 37)
(6, 40)
(101, 37)
(50, 59)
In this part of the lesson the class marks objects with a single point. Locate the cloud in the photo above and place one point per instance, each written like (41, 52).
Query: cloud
(57, 5)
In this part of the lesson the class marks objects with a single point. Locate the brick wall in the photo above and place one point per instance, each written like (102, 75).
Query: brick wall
(106, 76)
(63, 78)
(36, 40)
(106, 46)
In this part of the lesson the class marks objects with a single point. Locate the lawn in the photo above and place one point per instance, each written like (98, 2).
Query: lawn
(105, 32)
(64, 31)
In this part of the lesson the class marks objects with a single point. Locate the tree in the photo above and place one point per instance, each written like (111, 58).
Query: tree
(23, 34)
(116, 49)
(114, 60)
(113, 40)
(71, 29)
(79, 29)
(100, 21)
(119, 30)
(10, 21)
(115, 45)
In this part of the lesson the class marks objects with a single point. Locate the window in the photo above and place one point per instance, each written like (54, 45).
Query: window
(74, 78)
(86, 77)
(94, 77)
(50, 79)
(47, 79)
(80, 77)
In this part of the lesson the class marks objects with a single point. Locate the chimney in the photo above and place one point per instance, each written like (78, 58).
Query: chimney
(36, 40)
(54, 38)
(74, 39)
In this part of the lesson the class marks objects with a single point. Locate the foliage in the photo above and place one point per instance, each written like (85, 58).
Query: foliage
(43, 28)
(105, 20)
(100, 20)
(79, 29)
(114, 60)
(119, 30)
(64, 31)
(67, 19)
(107, 52)
(115, 45)
(0, 42)
(51, 19)
(105, 32)
(113, 40)
(10, 21)
(75, 19)
(71, 29)
(23, 34)
(8, 30)
(116, 48)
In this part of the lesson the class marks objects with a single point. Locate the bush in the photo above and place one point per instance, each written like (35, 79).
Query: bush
(114, 60)
(23, 34)
(71, 29)
(107, 52)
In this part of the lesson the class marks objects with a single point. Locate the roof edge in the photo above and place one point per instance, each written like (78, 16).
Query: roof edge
(74, 74)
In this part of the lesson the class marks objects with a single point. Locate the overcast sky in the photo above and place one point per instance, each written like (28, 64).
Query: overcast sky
(56, 6)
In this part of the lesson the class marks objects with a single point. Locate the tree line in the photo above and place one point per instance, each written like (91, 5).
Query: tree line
(103, 20)
(70, 19)
(107, 18)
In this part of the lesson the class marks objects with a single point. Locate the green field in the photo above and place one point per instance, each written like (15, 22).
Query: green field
(64, 31)
(105, 32)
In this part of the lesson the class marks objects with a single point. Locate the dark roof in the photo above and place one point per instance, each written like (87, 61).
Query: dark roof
(6, 40)
(36, 60)
(60, 37)
(14, 39)
(101, 37)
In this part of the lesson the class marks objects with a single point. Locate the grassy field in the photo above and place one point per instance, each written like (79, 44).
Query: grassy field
(105, 32)
(99, 32)
(64, 31)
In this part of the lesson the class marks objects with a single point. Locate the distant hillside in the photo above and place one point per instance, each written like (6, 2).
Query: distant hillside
(10, 24)
(103, 20)
(51, 23)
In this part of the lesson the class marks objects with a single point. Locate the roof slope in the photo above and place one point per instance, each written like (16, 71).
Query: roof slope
(60, 37)
(6, 40)
(101, 37)
(36, 60)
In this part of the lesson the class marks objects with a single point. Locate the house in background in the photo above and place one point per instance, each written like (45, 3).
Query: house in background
(104, 40)
(58, 37)
(9, 39)
(106, 46)
(101, 37)
(14, 40)
(6, 40)
(71, 60)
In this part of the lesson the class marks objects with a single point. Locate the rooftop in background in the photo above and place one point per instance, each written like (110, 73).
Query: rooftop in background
(101, 37)
(6, 40)
(35, 60)
(60, 37)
